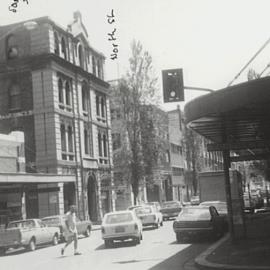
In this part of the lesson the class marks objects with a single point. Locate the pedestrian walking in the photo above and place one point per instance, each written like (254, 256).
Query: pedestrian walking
(70, 232)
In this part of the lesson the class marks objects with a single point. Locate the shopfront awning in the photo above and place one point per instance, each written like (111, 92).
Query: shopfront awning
(35, 178)
(236, 118)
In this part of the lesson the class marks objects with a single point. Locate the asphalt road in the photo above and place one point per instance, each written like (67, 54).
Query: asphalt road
(158, 250)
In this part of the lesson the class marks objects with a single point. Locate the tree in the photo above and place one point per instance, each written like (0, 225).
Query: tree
(136, 91)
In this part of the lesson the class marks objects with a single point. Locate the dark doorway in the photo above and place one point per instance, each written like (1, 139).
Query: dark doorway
(31, 203)
(92, 198)
(69, 195)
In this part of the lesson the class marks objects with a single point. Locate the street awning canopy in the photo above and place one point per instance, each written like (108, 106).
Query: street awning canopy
(35, 178)
(234, 118)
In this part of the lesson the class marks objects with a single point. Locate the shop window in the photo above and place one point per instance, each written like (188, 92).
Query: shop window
(56, 43)
(12, 47)
(14, 97)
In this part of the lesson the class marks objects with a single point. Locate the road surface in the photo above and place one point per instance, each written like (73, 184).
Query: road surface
(157, 251)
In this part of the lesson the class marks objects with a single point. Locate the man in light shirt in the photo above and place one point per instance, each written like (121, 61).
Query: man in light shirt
(70, 232)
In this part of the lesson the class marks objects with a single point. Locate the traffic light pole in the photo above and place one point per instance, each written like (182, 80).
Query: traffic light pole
(199, 88)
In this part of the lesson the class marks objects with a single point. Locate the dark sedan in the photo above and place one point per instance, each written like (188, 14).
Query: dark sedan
(198, 221)
(170, 209)
(83, 226)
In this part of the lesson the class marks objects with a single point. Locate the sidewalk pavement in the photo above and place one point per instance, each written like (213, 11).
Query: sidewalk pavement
(251, 253)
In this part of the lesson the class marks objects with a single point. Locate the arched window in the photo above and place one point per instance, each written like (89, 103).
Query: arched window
(68, 93)
(99, 144)
(70, 139)
(86, 142)
(85, 96)
(63, 137)
(105, 146)
(81, 56)
(102, 107)
(11, 47)
(99, 68)
(60, 91)
(94, 65)
(97, 105)
(63, 48)
(56, 43)
(14, 97)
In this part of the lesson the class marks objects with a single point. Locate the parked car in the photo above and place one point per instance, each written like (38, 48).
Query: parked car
(170, 209)
(199, 221)
(149, 216)
(133, 207)
(84, 227)
(121, 225)
(27, 233)
(156, 204)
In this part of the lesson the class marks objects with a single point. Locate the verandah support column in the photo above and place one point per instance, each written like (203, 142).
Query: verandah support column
(226, 168)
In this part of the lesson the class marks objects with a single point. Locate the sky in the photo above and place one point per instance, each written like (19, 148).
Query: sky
(211, 40)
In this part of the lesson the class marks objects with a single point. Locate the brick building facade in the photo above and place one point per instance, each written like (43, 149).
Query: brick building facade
(53, 89)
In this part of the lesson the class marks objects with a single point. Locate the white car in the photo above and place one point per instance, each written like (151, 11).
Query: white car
(149, 215)
(121, 225)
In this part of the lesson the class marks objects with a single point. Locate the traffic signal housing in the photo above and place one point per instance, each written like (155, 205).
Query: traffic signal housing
(173, 85)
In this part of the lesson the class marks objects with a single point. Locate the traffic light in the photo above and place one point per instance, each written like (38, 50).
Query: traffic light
(173, 85)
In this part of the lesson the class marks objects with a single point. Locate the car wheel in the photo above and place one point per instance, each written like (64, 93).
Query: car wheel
(179, 238)
(137, 241)
(108, 243)
(32, 245)
(55, 240)
(2, 251)
(87, 232)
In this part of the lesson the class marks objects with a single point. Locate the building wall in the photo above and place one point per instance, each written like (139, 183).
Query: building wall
(42, 112)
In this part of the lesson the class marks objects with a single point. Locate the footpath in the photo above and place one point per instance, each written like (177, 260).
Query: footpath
(251, 253)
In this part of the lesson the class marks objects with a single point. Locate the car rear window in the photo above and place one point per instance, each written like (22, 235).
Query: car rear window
(51, 221)
(143, 210)
(22, 224)
(195, 212)
(118, 218)
(170, 204)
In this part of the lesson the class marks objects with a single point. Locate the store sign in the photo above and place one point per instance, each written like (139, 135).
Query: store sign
(17, 114)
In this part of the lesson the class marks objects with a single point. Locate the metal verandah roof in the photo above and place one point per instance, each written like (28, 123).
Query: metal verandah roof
(239, 114)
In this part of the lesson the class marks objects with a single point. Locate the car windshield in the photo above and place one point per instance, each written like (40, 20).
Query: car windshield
(202, 213)
(51, 221)
(118, 218)
(143, 210)
(170, 204)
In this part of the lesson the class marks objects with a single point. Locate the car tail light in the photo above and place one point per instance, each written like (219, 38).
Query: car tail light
(136, 226)
(102, 229)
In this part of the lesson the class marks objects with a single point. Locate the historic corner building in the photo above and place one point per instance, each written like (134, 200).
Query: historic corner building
(53, 90)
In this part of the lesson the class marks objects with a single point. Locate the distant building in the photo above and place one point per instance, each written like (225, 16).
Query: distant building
(177, 153)
(53, 90)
